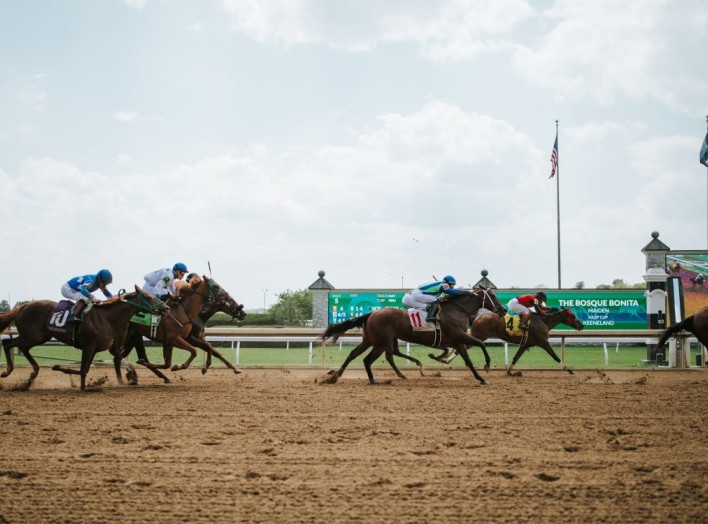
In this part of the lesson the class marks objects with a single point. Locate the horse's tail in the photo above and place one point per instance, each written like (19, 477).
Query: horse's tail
(336, 330)
(8, 317)
(686, 324)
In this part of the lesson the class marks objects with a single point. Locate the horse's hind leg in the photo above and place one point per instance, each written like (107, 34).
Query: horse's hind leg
(7, 347)
(371, 358)
(363, 346)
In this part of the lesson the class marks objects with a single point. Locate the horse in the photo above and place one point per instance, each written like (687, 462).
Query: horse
(384, 327)
(696, 324)
(102, 326)
(488, 325)
(184, 328)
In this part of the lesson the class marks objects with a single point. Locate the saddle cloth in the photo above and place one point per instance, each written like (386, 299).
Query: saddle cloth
(147, 319)
(57, 320)
(417, 319)
(511, 324)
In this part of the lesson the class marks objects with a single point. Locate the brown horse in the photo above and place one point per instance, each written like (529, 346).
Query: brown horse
(104, 325)
(696, 324)
(384, 327)
(184, 327)
(488, 325)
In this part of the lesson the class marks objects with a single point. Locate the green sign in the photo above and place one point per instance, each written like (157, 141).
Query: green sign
(345, 305)
(598, 309)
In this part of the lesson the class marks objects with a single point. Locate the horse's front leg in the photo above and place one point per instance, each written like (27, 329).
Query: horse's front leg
(462, 350)
(469, 340)
(510, 370)
(183, 344)
(549, 349)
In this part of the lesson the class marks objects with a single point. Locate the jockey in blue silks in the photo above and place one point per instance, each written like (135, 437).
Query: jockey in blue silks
(80, 288)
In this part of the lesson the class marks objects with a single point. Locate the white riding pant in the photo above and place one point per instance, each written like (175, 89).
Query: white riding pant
(417, 299)
(68, 292)
(514, 305)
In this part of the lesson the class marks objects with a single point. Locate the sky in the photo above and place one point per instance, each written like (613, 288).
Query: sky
(385, 143)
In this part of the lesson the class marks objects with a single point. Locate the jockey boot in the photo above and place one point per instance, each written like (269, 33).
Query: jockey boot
(524, 321)
(76, 312)
(432, 310)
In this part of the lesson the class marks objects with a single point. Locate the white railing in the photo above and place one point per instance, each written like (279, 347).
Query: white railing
(237, 336)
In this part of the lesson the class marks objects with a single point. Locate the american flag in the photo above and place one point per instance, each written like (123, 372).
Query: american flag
(554, 157)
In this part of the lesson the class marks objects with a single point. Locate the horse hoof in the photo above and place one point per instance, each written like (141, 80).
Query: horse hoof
(486, 368)
(167, 381)
(237, 371)
(204, 370)
(56, 367)
(5, 374)
(174, 368)
(331, 372)
(483, 383)
(571, 371)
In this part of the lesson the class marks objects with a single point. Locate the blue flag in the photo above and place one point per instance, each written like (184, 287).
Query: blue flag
(704, 152)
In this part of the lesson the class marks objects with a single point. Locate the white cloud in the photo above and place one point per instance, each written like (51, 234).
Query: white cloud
(136, 4)
(641, 49)
(126, 116)
(449, 29)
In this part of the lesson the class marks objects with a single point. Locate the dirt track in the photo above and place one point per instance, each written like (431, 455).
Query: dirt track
(274, 446)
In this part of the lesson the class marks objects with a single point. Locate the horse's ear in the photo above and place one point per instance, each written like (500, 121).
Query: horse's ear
(138, 289)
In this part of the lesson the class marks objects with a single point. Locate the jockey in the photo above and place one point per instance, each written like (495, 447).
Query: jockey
(426, 296)
(79, 289)
(526, 304)
(161, 283)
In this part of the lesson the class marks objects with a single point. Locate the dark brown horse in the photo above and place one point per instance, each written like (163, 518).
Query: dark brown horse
(384, 327)
(488, 326)
(103, 326)
(696, 324)
(184, 327)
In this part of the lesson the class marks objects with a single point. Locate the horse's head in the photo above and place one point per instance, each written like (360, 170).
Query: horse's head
(570, 319)
(491, 302)
(224, 302)
(147, 302)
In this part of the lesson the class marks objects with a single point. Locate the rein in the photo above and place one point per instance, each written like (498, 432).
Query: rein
(142, 303)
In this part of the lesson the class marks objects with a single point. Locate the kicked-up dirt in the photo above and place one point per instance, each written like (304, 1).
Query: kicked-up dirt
(279, 446)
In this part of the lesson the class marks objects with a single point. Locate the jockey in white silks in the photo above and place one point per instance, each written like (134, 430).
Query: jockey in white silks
(161, 282)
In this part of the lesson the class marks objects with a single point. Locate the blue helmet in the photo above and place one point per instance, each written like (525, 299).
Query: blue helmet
(104, 276)
(449, 279)
(179, 266)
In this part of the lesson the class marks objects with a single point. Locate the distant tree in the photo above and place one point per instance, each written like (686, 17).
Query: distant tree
(618, 283)
(4, 305)
(639, 285)
(579, 285)
(604, 286)
(293, 308)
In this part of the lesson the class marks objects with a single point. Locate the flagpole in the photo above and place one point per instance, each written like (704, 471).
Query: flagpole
(706, 190)
(558, 219)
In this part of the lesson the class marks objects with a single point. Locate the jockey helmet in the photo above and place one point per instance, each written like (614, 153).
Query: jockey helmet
(179, 266)
(449, 279)
(104, 276)
(541, 296)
